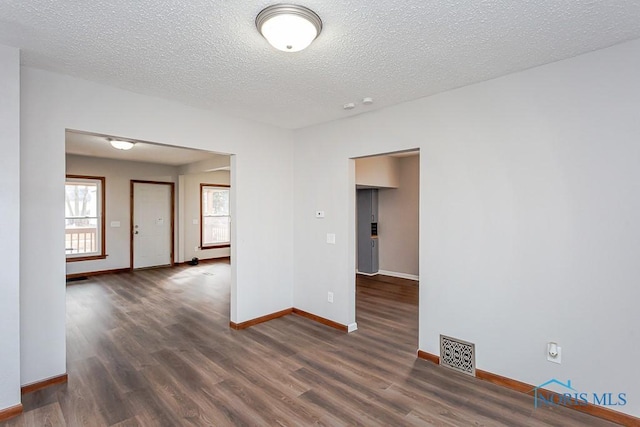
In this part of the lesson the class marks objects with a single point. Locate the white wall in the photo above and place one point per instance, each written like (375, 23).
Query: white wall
(378, 171)
(217, 162)
(118, 175)
(398, 220)
(10, 229)
(529, 231)
(192, 212)
(263, 155)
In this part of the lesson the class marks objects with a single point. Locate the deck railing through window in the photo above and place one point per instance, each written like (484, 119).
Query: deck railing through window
(216, 230)
(80, 240)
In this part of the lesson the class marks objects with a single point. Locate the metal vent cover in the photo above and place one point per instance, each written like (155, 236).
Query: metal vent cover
(457, 354)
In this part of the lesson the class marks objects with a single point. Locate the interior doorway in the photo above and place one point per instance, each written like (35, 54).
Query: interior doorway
(152, 224)
(168, 234)
(387, 217)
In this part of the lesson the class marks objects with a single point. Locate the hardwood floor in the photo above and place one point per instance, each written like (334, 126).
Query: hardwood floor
(154, 348)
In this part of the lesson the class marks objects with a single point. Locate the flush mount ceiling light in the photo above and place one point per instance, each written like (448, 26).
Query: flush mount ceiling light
(289, 27)
(121, 145)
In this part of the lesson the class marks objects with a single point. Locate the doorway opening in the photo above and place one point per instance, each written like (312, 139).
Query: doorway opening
(151, 211)
(387, 195)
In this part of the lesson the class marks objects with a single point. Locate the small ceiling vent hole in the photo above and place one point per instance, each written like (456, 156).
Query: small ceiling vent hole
(458, 355)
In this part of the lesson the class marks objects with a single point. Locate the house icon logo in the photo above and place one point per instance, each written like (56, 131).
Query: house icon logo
(541, 389)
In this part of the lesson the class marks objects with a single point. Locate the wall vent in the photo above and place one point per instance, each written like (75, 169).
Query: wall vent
(457, 354)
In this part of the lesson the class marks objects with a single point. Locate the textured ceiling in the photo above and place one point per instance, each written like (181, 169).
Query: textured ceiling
(208, 53)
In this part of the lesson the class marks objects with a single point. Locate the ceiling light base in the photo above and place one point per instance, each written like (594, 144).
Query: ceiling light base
(289, 27)
(121, 145)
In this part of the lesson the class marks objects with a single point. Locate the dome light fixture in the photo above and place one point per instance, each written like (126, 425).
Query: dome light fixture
(289, 27)
(120, 144)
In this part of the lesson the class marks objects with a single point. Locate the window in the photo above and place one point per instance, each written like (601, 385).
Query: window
(84, 218)
(215, 222)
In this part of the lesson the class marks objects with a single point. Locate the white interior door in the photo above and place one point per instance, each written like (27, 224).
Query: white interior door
(152, 224)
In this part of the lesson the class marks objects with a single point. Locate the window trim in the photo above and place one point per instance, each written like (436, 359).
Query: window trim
(102, 228)
(216, 246)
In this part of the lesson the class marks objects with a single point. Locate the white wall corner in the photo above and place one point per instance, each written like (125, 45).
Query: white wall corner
(181, 219)
(10, 216)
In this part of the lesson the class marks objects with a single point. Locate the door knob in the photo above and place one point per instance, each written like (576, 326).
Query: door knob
(136, 232)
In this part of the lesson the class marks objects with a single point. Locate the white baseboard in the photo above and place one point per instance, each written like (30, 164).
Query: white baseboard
(352, 327)
(365, 274)
(400, 275)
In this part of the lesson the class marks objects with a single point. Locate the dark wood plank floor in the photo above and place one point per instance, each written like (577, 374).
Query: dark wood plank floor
(153, 348)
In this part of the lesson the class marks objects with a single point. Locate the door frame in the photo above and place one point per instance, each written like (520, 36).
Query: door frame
(173, 214)
(352, 235)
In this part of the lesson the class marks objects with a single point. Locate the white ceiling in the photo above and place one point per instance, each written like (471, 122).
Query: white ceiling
(209, 54)
(85, 144)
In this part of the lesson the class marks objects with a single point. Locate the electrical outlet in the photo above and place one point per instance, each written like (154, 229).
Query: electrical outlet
(330, 297)
(554, 353)
(196, 249)
(331, 238)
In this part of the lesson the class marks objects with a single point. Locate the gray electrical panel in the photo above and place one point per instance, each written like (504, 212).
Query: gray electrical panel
(367, 201)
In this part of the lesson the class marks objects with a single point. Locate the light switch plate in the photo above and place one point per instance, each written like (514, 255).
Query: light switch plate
(331, 238)
(319, 214)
